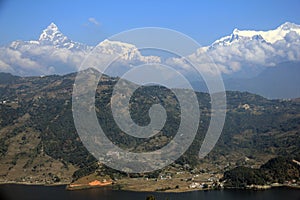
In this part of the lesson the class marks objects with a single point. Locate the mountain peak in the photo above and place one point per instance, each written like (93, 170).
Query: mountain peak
(236, 31)
(270, 36)
(52, 26)
(288, 26)
(53, 37)
(50, 33)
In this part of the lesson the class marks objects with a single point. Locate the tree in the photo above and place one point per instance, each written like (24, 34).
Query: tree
(151, 197)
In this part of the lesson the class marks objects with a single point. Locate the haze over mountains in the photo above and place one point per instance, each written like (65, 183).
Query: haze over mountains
(248, 60)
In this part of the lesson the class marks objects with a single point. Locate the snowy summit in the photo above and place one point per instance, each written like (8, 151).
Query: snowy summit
(270, 36)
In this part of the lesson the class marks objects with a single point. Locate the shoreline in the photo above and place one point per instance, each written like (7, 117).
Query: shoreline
(34, 184)
(119, 187)
(264, 187)
(94, 184)
(172, 191)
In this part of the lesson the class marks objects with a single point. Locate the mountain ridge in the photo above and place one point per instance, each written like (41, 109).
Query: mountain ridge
(241, 55)
(52, 36)
(278, 82)
(270, 36)
(261, 41)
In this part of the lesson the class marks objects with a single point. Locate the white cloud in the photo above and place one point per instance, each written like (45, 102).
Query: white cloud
(27, 58)
(243, 54)
(94, 21)
(4, 67)
(38, 59)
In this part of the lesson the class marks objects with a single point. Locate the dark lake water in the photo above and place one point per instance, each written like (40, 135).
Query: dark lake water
(18, 192)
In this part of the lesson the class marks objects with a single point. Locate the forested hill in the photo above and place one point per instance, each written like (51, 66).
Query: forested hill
(38, 138)
(277, 170)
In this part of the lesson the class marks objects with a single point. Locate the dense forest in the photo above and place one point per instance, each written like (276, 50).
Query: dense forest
(276, 170)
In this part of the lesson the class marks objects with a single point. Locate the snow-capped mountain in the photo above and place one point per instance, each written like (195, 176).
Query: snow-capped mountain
(235, 37)
(261, 62)
(51, 36)
(270, 36)
(54, 52)
(127, 52)
(251, 51)
(242, 52)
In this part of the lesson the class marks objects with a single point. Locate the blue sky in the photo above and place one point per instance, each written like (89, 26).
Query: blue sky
(92, 21)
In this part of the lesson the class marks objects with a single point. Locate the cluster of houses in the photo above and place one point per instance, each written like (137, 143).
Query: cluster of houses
(206, 185)
(8, 102)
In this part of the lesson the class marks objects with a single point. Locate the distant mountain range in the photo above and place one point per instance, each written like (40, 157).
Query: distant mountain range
(279, 82)
(248, 60)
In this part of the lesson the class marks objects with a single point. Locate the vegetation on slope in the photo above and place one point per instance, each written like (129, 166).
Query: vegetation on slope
(254, 126)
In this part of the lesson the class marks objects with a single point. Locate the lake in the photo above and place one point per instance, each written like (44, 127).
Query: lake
(26, 192)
